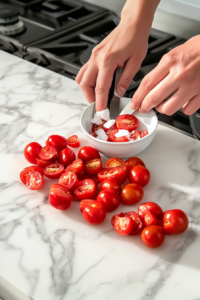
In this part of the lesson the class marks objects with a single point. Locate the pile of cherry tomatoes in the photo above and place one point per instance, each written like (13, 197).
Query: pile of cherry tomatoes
(98, 188)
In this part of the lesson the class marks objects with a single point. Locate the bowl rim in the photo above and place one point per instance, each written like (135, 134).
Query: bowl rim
(115, 143)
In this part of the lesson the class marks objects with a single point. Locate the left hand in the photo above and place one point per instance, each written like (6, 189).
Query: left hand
(178, 72)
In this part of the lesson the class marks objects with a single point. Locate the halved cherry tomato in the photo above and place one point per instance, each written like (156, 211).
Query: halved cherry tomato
(127, 122)
(76, 166)
(93, 133)
(134, 135)
(117, 215)
(73, 141)
(120, 174)
(123, 224)
(86, 189)
(53, 170)
(48, 152)
(96, 127)
(57, 141)
(32, 177)
(143, 133)
(132, 193)
(153, 236)
(66, 157)
(175, 221)
(139, 175)
(83, 176)
(149, 219)
(110, 184)
(132, 162)
(69, 180)
(92, 167)
(88, 153)
(110, 199)
(138, 224)
(43, 163)
(60, 197)
(92, 211)
(115, 139)
(153, 207)
(31, 152)
(115, 162)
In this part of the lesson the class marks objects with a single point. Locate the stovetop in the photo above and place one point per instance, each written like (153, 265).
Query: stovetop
(60, 35)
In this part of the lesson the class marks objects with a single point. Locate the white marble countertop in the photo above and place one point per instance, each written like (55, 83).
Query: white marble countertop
(47, 254)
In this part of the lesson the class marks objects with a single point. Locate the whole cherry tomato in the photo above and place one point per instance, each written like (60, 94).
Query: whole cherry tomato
(66, 157)
(73, 141)
(132, 162)
(139, 175)
(92, 167)
(32, 177)
(31, 152)
(53, 170)
(153, 207)
(175, 221)
(138, 224)
(92, 211)
(110, 184)
(69, 180)
(123, 224)
(127, 122)
(149, 219)
(110, 199)
(57, 141)
(153, 236)
(121, 139)
(48, 152)
(132, 193)
(76, 166)
(86, 189)
(60, 197)
(120, 174)
(88, 153)
(115, 162)
(43, 163)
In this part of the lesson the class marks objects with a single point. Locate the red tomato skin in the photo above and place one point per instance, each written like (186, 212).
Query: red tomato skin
(59, 197)
(139, 175)
(143, 133)
(86, 202)
(153, 207)
(115, 139)
(66, 157)
(115, 162)
(134, 135)
(153, 236)
(43, 163)
(92, 167)
(93, 133)
(31, 152)
(120, 174)
(96, 127)
(130, 127)
(88, 153)
(110, 184)
(175, 221)
(123, 225)
(52, 173)
(69, 180)
(27, 170)
(110, 200)
(57, 141)
(131, 194)
(138, 223)
(33, 171)
(85, 193)
(48, 152)
(76, 166)
(73, 141)
(132, 162)
(83, 176)
(149, 219)
(94, 213)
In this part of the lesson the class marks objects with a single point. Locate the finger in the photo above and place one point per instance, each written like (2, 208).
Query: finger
(148, 83)
(81, 73)
(159, 93)
(129, 71)
(103, 84)
(88, 82)
(192, 106)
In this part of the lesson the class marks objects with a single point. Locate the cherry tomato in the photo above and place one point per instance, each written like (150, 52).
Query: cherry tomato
(127, 122)
(57, 141)
(60, 197)
(110, 199)
(93, 133)
(96, 127)
(48, 152)
(73, 141)
(43, 163)
(115, 162)
(132, 162)
(132, 193)
(76, 166)
(83, 176)
(134, 135)
(149, 219)
(153, 207)
(69, 180)
(120, 174)
(88, 153)
(32, 177)
(86, 189)
(53, 170)
(115, 139)
(110, 184)
(153, 236)
(138, 224)
(31, 152)
(66, 157)
(175, 221)
(92, 167)
(93, 212)
(143, 133)
(117, 215)
(139, 175)
(123, 224)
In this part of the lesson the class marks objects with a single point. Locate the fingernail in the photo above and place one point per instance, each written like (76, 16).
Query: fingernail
(132, 106)
(121, 91)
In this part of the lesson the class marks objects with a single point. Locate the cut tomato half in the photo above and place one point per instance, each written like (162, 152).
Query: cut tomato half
(48, 152)
(53, 170)
(127, 122)
(115, 162)
(96, 127)
(134, 135)
(32, 177)
(60, 197)
(76, 166)
(93, 133)
(86, 189)
(92, 167)
(115, 139)
(69, 180)
(120, 174)
(73, 141)
(142, 133)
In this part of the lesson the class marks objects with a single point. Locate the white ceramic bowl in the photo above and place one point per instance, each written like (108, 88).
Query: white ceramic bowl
(147, 121)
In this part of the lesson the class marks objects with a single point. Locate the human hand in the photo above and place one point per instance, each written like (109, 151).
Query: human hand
(178, 72)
